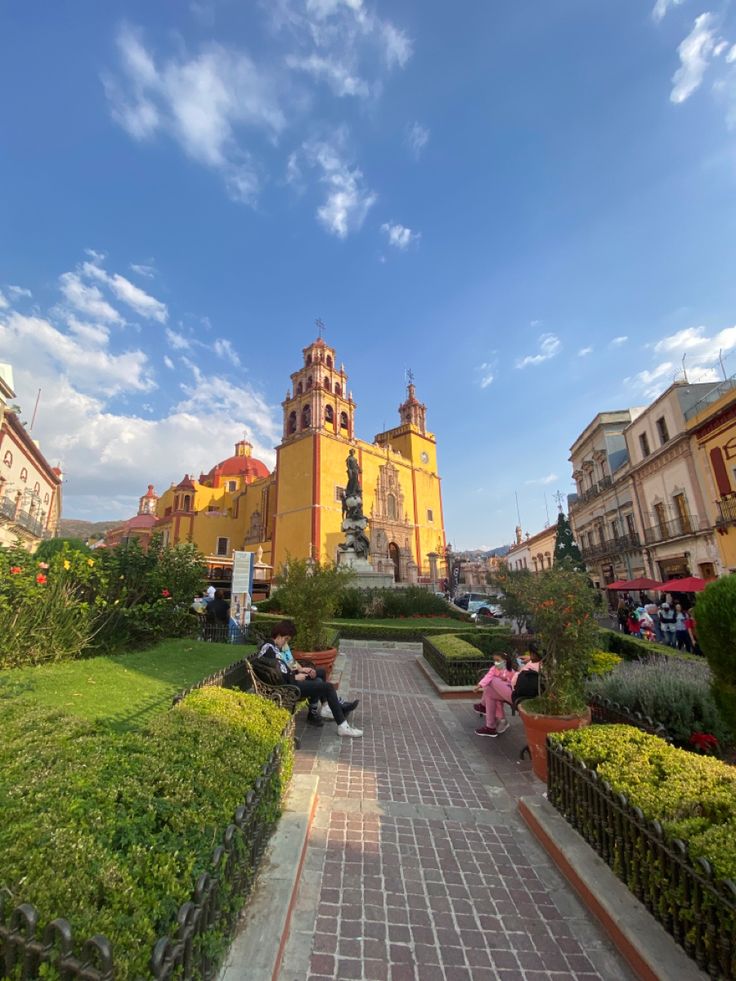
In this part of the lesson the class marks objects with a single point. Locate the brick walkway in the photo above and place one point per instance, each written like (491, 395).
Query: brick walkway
(418, 866)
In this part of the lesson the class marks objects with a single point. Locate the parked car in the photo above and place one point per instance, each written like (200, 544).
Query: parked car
(472, 602)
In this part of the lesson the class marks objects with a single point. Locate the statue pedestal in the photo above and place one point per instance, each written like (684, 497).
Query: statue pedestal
(365, 576)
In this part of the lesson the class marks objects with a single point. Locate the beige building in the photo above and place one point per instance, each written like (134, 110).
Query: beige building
(675, 511)
(30, 488)
(603, 513)
(534, 552)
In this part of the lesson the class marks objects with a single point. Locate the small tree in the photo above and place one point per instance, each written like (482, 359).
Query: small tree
(512, 596)
(565, 545)
(310, 593)
(715, 616)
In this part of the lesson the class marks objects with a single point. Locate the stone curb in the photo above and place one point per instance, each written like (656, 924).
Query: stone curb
(645, 945)
(443, 690)
(258, 945)
(381, 645)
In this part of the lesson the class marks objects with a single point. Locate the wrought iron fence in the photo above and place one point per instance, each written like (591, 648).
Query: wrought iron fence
(215, 903)
(697, 909)
(605, 711)
(463, 671)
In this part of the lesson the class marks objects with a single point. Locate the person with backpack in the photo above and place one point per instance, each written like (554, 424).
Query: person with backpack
(305, 678)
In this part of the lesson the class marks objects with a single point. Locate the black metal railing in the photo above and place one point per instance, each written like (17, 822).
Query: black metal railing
(25, 948)
(663, 531)
(7, 508)
(611, 546)
(30, 523)
(606, 712)
(697, 909)
(462, 671)
(726, 511)
(592, 492)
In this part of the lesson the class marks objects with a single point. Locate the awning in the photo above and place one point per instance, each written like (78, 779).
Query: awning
(636, 584)
(690, 584)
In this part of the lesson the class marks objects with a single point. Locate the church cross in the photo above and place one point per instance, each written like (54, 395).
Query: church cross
(410, 376)
(320, 327)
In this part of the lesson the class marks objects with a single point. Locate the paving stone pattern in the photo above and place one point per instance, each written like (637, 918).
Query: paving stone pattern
(418, 867)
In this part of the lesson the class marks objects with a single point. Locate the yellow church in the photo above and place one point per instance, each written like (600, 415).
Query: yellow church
(296, 510)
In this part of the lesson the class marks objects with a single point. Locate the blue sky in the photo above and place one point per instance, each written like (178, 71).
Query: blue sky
(531, 205)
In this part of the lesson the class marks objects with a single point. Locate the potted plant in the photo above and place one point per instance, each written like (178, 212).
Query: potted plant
(309, 593)
(562, 604)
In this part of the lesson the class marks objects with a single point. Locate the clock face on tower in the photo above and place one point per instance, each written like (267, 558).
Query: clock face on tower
(424, 458)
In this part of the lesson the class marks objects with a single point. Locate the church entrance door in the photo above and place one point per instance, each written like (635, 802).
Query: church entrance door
(393, 554)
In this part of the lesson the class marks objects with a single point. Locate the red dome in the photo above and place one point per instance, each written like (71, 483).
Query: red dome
(242, 464)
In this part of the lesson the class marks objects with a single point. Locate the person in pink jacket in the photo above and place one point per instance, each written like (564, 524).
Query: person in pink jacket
(496, 687)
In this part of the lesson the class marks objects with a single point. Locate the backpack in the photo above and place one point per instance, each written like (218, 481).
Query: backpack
(267, 670)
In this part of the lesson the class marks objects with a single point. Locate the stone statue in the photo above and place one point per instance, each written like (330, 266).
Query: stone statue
(353, 486)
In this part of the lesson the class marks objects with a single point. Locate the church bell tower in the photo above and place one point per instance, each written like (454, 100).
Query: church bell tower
(318, 400)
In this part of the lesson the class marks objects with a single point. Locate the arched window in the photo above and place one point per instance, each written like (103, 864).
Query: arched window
(187, 502)
(328, 361)
(309, 359)
(344, 421)
(291, 424)
(306, 417)
(299, 388)
(329, 415)
(327, 384)
(24, 474)
(391, 507)
(309, 382)
(232, 485)
(8, 459)
(37, 489)
(45, 498)
(719, 471)
(338, 388)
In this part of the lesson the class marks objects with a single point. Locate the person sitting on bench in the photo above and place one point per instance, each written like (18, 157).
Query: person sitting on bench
(502, 685)
(306, 679)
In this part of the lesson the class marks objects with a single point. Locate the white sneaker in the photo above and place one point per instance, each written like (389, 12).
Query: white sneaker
(502, 726)
(347, 730)
(326, 712)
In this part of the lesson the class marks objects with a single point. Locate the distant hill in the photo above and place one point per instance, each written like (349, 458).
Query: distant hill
(75, 528)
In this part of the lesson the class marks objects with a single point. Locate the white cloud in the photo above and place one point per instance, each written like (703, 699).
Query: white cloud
(19, 291)
(340, 77)
(397, 47)
(90, 333)
(417, 137)
(701, 359)
(224, 349)
(584, 352)
(348, 199)
(549, 479)
(87, 298)
(3, 302)
(133, 296)
(202, 102)
(147, 270)
(618, 341)
(662, 6)
(731, 56)
(695, 53)
(168, 362)
(399, 236)
(549, 346)
(488, 374)
(177, 341)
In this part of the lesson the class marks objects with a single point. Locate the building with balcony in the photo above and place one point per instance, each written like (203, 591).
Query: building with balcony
(30, 488)
(676, 516)
(711, 422)
(533, 552)
(603, 513)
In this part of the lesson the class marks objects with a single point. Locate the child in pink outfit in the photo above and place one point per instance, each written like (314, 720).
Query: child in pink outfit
(496, 688)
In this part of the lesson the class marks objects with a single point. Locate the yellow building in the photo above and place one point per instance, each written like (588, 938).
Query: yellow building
(297, 510)
(712, 422)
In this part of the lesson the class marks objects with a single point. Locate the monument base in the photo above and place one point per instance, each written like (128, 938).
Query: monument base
(365, 575)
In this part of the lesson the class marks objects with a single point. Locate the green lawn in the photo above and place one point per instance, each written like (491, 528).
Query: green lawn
(124, 691)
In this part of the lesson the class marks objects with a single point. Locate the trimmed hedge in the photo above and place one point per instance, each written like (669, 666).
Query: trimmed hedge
(455, 660)
(112, 830)
(634, 649)
(413, 631)
(693, 797)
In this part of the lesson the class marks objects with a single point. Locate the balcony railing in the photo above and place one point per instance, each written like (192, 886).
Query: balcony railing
(679, 527)
(726, 511)
(712, 396)
(30, 523)
(611, 546)
(7, 508)
(587, 495)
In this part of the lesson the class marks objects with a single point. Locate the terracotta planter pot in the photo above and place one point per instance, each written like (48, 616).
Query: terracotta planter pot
(538, 727)
(320, 659)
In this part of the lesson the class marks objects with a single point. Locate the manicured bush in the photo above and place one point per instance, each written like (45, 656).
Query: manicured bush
(112, 830)
(715, 615)
(602, 662)
(378, 604)
(635, 649)
(491, 641)
(675, 693)
(693, 797)
(309, 594)
(414, 630)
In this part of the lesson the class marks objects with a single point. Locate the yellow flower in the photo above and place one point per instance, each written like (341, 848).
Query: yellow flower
(90, 561)
(67, 564)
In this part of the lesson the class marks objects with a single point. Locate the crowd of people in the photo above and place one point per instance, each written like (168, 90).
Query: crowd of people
(669, 622)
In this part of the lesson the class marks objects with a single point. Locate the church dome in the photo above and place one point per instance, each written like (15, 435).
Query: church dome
(241, 464)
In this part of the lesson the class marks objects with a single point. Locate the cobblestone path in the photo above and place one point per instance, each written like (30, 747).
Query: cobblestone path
(418, 867)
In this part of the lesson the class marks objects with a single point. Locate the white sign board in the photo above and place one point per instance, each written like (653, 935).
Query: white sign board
(242, 589)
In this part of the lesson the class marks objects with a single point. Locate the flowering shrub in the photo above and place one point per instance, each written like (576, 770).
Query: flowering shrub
(76, 602)
(602, 662)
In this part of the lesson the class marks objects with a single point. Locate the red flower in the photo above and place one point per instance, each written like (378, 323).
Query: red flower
(704, 741)
(15, 569)
(41, 578)
(166, 593)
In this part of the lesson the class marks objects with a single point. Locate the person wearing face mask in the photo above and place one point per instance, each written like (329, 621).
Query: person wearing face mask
(496, 688)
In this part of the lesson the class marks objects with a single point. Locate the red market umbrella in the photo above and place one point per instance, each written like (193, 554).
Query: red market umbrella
(691, 584)
(619, 584)
(642, 583)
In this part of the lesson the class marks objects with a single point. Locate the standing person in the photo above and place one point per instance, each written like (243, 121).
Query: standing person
(622, 615)
(218, 609)
(652, 611)
(496, 688)
(667, 621)
(682, 633)
(306, 680)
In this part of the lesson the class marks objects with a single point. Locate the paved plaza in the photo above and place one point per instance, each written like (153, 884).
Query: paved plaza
(418, 867)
